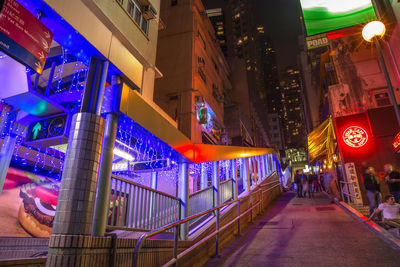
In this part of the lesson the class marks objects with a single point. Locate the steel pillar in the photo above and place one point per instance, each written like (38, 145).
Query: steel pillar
(234, 178)
(246, 174)
(215, 182)
(183, 188)
(76, 200)
(106, 160)
(204, 176)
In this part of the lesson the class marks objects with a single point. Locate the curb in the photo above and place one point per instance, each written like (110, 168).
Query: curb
(381, 232)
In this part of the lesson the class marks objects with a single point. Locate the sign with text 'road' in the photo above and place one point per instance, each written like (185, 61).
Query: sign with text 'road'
(317, 41)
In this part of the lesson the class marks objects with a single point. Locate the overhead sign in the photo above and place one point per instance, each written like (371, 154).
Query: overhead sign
(396, 143)
(23, 36)
(355, 136)
(322, 16)
(317, 41)
(49, 128)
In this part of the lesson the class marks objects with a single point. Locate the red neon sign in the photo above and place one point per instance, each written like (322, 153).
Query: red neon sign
(355, 136)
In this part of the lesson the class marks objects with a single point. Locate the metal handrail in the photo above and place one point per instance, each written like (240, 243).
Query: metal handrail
(223, 182)
(143, 186)
(139, 208)
(342, 183)
(176, 224)
(200, 191)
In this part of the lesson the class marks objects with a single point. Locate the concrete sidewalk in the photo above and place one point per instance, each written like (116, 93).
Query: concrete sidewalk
(308, 232)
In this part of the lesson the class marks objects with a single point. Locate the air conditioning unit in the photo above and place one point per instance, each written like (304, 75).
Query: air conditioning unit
(148, 12)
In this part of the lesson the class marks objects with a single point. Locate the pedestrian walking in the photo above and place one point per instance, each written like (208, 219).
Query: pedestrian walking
(330, 185)
(372, 186)
(305, 184)
(311, 188)
(322, 182)
(298, 182)
(393, 180)
(317, 185)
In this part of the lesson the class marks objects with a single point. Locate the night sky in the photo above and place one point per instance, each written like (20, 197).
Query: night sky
(281, 20)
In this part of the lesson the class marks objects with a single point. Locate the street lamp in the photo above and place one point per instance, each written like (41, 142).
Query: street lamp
(373, 32)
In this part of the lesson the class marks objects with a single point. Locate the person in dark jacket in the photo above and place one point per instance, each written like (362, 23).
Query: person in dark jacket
(393, 180)
(311, 181)
(372, 186)
(298, 182)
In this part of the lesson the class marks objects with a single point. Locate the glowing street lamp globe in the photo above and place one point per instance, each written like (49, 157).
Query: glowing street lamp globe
(373, 29)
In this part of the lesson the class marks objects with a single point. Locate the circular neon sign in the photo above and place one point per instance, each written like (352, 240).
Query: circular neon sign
(355, 136)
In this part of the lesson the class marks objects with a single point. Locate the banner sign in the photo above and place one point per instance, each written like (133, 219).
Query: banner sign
(322, 16)
(396, 143)
(317, 41)
(23, 37)
(352, 178)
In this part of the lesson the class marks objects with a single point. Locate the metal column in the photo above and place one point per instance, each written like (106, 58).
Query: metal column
(259, 166)
(246, 174)
(183, 188)
(204, 177)
(234, 178)
(154, 180)
(76, 200)
(215, 182)
(106, 160)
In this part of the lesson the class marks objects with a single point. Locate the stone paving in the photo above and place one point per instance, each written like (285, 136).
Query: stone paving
(308, 232)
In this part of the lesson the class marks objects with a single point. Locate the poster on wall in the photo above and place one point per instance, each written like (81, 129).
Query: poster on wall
(321, 16)
(28, 204)
(351, 174)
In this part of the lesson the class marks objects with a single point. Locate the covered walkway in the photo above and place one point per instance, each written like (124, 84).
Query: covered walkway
(307, 232)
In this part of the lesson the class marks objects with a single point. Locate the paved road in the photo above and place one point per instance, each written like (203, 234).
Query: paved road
(308, 232)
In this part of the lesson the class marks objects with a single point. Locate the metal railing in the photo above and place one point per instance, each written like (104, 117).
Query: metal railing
(226, 191)
(259, 192)
(136, 207)
(348, 193)
(200, 201)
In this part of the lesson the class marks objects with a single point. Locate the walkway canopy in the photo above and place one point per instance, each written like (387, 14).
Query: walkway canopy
(147, 115)
(321, 141)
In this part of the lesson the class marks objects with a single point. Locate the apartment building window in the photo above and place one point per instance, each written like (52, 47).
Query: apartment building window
(202, 39)
(202, 75)
(174, 2)
(135, 11)
(382, 99)
(201, 61)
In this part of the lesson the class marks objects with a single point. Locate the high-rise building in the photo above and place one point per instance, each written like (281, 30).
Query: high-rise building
(195, 73)
(245, 42)
(218, 21)
(292, 114)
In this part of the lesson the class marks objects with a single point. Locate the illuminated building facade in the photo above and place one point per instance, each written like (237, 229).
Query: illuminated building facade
(218, 21)
(292, 114)
(195, 82)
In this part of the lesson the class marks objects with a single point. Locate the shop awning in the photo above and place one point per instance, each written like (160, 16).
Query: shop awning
(321, 141)
(151, 118)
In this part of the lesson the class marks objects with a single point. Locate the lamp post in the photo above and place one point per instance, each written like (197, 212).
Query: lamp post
(373, 32)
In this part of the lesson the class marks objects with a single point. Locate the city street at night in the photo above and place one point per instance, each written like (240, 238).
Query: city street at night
(199, 133)
(307, 232)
